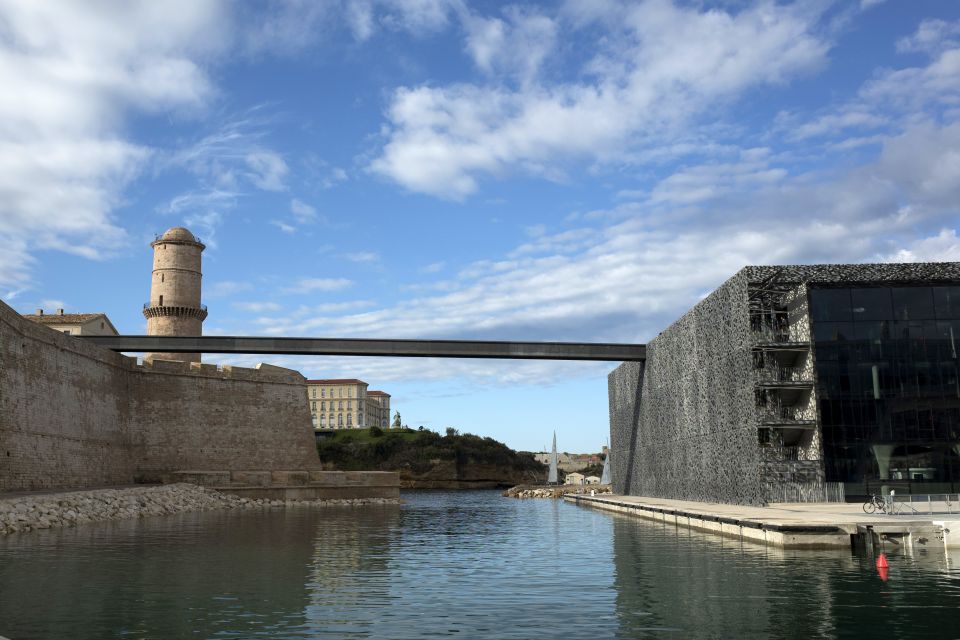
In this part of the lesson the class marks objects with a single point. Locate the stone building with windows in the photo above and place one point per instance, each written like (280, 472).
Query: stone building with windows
(338, 403)
(378, 409)
(797, 382)
(75, 324)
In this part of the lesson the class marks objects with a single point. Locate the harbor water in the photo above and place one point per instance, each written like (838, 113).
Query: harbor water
(453, 564)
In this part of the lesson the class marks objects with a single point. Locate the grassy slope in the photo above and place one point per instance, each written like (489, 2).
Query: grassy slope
(418, 451)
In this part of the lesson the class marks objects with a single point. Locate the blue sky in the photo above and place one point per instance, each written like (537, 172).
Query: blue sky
(580, 170)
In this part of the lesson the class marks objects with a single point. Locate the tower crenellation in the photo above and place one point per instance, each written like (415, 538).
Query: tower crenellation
(175, 308)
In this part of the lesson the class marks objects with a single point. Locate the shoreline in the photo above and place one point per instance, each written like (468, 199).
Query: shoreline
(23, 513)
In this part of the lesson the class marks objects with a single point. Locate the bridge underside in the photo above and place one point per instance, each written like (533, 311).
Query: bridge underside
(373, 347)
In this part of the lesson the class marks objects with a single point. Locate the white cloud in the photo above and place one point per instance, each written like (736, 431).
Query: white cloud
(303, 212)
(914, 88)
(267, 170)
(831, 124)
(308, 285)
(665, 66)
(362, 256)
(225, 288)
(944, 246)
(433, 267)
(650, 260)
(76, 72)
(516, 44)
(283, 226)
(417, 17)
(359, 16)
(257, 307)
(63, 164)
(932, 37)
(283, 28)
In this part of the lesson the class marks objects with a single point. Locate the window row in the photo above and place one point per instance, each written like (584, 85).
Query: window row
(339, 407)
(339, 394)
(885, 303)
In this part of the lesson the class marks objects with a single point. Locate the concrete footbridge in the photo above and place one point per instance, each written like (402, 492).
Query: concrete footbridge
(598, 351)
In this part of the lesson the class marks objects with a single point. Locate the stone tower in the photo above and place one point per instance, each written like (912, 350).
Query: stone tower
(174, 308)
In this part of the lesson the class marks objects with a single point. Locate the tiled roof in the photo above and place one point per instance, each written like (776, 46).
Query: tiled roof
(66, 318)
(338, 381)
(377, 393)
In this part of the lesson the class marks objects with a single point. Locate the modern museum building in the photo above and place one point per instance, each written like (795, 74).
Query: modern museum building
(813, 382)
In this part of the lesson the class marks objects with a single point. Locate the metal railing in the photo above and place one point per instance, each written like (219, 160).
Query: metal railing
(920, 504)
(780, 413)
(147, 305)
(770, 334)
(780, 453)
(782, 373)
(806, 492)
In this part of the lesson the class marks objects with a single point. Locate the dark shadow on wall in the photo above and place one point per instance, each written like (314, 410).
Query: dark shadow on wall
(634, 430)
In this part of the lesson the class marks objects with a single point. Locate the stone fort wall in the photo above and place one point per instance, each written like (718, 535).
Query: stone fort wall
(76, 415)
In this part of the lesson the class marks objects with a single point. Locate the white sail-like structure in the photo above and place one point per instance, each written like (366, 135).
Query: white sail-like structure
(552, 477)
(605, 476)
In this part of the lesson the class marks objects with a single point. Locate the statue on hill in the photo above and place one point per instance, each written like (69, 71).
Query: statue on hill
(396, 420)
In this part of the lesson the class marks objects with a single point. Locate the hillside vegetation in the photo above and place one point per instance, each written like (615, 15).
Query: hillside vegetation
(429, 460)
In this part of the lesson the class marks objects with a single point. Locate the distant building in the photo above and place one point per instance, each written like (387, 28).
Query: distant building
(378, 409)
(75, 324)
(338, 404)
(569, 461)
(591, 480)
(574, 478)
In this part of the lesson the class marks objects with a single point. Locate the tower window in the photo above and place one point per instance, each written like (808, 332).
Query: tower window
(162, 277)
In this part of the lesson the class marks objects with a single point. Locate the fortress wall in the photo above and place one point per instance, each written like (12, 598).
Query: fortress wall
(64, 410)
(76, 415)
(193, 417)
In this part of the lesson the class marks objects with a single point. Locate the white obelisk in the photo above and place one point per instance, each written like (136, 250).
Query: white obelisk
(552, 478)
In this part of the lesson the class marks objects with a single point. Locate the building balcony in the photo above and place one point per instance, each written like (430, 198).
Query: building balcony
(166, 310)
(781, 375)
(785, 415)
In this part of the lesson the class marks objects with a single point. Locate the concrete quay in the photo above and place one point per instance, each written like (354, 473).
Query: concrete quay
(295, 484)
(791, 525)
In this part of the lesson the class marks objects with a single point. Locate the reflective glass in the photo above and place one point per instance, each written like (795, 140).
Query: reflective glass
(913, 303)
(872, 303)
(888, 384)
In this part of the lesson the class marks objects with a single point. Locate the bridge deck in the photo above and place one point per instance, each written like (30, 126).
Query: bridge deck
(374, 347)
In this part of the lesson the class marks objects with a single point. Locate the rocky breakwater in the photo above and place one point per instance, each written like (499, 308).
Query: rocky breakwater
(51, 510)
(558, 491)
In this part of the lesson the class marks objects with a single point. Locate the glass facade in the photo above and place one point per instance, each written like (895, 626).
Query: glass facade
(888, 387)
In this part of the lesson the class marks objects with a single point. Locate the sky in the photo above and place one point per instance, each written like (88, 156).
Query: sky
(566, 171)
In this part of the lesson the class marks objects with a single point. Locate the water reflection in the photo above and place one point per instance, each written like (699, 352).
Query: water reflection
(471, 565)
(697, 585)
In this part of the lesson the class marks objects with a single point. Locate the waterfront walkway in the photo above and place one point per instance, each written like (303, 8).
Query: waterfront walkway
(789, 525)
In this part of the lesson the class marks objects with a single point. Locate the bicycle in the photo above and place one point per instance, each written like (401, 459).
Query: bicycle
(875, 503)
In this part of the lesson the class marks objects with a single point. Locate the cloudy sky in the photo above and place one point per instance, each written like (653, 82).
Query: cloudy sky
(579, 171)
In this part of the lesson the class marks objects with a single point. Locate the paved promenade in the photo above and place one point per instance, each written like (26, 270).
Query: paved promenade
(789, 525)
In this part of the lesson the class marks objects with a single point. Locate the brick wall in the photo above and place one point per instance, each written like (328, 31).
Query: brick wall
(76, 415)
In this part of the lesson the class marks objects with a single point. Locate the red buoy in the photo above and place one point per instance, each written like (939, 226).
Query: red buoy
(882, 561)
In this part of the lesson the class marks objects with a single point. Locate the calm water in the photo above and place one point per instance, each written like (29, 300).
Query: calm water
(467, 565)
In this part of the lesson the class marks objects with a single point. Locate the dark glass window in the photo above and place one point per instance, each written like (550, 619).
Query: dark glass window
(871, 304)
(913, 303)
(888, 384)
(830, 304)
(946, 301)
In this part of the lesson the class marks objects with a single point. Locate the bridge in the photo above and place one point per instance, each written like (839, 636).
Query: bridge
(598, 351)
